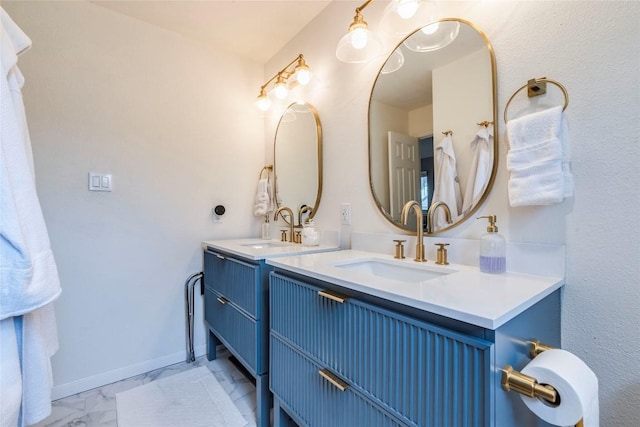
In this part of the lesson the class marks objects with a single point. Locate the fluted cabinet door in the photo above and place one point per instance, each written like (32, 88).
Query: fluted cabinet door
(422, 374)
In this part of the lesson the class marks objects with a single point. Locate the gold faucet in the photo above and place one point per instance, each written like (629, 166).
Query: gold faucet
(288, 210)
(301, 211)
(404, 216)
(431, 213)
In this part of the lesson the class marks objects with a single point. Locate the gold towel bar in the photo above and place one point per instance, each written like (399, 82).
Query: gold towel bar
(537, 87)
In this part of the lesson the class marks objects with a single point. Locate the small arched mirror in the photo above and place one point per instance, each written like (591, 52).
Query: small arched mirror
(298, 160)
(424, 90)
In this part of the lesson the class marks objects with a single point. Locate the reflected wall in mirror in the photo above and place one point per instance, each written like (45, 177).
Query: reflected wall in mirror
(452, 88)
(298, 161)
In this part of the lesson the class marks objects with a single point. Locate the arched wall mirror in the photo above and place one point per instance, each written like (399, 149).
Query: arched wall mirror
(298, 160)
(419, 93)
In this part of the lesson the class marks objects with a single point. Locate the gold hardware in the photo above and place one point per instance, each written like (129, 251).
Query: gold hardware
(442, 254)
(485, 124)
(537, 87)
(447, 132)
(267, 168)
(298, 237)
(399, 249)
(492, 227)
(282, 80)
(535, 348)
(431, 213)
(222, 300)
(283, 235)
(291, 222)
(524, 384)
(404, 217)
(333, 379)
(333, 296)
(301, 211)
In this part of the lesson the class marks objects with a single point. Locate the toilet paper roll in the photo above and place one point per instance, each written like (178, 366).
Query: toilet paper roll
(576, 384)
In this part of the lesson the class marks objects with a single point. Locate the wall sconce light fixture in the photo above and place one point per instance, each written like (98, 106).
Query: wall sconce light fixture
(400, 18)
(359, 44)
(288, 76)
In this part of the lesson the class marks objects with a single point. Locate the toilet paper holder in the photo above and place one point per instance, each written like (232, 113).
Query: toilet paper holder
(513, 380)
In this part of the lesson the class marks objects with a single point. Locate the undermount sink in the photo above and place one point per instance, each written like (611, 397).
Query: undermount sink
(395, 270)
(264, 245)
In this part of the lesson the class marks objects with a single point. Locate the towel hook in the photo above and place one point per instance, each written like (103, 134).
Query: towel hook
(447, 132)
(485, 123)
(536, 87)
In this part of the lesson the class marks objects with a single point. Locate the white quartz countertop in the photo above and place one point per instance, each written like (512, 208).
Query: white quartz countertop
(257, 249)
(465, 294)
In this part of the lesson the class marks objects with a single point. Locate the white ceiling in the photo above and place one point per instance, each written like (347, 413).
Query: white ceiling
(251, 28)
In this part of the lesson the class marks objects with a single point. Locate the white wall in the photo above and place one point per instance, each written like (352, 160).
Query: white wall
(173, 122)
(592, 48)
(467, 78)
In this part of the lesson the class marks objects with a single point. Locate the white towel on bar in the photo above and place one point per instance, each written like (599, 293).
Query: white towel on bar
(262, 204)
(538, 160)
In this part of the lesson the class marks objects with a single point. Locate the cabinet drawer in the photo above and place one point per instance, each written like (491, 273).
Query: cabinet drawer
(235, 329)
(236, 280)
(295, 379)
(424, 374)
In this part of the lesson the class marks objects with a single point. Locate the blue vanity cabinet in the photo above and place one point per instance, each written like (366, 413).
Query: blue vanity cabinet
(339, 361)
(236, 314)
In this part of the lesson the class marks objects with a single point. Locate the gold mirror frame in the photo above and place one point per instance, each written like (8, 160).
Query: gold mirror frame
(494, 94)
(294, 163)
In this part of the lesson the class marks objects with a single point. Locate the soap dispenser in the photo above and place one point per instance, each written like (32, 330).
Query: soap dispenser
(266, 229)
(493, 249)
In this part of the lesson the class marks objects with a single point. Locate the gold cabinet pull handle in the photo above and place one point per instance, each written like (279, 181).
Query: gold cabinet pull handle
(222, 300)
(333, 379)
(333, 296)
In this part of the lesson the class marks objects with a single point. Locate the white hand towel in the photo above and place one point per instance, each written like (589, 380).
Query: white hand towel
(447, 185)
(262, 204)
(538, 160)
(481, 167)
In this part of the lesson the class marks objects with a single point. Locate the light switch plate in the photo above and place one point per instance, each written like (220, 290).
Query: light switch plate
(100, 182)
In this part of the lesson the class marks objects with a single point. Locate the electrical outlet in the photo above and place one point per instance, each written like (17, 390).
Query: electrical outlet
(345, 214)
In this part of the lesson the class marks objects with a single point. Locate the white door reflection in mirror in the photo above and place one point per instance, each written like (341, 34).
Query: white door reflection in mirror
(404, 173)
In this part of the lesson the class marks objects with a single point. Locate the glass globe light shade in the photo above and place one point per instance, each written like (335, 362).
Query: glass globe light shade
(280, 89)
(358, 45)
(303, 76)
(263, 102)
(394, 63)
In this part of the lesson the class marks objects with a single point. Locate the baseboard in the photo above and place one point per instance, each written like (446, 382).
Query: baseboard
(84, 384)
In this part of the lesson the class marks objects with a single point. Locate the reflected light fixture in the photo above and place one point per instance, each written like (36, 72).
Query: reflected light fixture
(402, 17)
(359, 44)
(288, 76)
(433, 36)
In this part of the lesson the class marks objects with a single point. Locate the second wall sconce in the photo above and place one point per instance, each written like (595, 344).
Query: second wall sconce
(359, 44)
(284, 79)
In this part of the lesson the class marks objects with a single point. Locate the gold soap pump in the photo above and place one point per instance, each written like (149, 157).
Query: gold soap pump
(493, 249)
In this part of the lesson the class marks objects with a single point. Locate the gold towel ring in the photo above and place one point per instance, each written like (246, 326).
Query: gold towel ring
(538, 87)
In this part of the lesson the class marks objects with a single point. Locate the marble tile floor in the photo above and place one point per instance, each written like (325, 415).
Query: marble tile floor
(97, 407)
